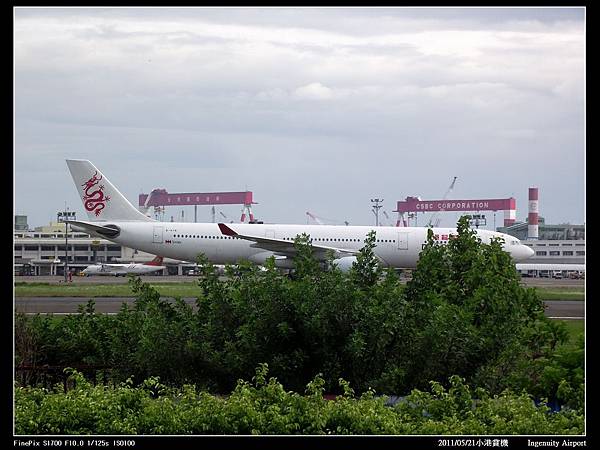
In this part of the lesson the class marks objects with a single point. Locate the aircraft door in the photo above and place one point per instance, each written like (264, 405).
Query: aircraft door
(403, 241)
(270, 234)
(157, 235)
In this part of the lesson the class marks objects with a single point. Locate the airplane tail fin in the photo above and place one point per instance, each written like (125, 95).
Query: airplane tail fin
(101, 200)
(157, 261)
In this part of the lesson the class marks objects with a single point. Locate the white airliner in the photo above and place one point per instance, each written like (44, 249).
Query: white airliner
(124, 269)
(114, 218)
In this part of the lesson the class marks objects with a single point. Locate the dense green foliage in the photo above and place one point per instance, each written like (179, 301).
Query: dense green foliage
(265, 407)
(464, 313)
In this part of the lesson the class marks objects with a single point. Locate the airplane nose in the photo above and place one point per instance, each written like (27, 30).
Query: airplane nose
(527, 251)
(521, 252)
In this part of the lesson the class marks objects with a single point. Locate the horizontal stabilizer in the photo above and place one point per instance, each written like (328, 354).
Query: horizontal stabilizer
(108, 231)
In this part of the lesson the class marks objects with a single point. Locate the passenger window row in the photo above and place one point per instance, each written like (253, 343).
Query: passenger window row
(195, 236)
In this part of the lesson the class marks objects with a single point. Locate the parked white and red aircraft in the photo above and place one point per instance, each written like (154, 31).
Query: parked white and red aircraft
(124, 269)
(114, 218)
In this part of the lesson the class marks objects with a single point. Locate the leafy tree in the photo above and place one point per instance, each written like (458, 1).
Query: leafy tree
(305, 264)
(466, 307)
(366, 270)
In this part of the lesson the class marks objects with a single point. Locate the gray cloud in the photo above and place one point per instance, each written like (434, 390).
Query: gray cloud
(309, 108)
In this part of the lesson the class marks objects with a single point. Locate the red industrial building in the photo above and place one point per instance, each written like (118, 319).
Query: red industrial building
(159, 198)
(416, 205)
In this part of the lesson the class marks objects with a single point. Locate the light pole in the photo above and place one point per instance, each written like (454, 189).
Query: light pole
(376, 208)
(63, 216)
(477, 219)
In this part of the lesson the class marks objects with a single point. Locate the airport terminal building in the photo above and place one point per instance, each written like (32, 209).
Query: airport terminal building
(43, 252)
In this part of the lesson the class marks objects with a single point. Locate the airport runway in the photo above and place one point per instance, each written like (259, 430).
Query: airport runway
(66, 305)
(565, 309)
(531, 282)
(105, 279)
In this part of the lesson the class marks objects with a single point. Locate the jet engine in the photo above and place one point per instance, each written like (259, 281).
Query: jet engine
(345, 263)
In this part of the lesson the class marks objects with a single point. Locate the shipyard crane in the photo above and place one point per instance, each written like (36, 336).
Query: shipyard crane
(387, 218)
(438, 219)
(322, 220)
(315, 218)
(225, 217)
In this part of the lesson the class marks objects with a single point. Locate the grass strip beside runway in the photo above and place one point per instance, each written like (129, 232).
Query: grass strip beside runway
(574, 328)
(562, 293)
(190, 289)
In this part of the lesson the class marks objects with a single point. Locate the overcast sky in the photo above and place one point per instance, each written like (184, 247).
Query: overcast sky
(312, 109)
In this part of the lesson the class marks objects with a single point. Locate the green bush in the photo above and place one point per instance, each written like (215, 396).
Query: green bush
(264, 407)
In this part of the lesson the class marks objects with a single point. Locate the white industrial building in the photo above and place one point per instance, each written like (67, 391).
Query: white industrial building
(557, 251)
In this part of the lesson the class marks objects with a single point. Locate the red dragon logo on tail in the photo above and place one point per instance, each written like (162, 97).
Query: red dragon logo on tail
(95, 200)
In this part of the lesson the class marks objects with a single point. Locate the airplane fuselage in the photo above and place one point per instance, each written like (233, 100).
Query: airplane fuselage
(396, 247)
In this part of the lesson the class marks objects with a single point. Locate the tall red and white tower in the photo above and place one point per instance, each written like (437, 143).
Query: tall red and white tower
(532, 227)
(510, 214)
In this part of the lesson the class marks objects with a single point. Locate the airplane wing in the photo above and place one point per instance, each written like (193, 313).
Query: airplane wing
(283, 247)
(104, 267)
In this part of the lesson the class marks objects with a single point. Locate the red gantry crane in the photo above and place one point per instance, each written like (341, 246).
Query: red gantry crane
(160, 198)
